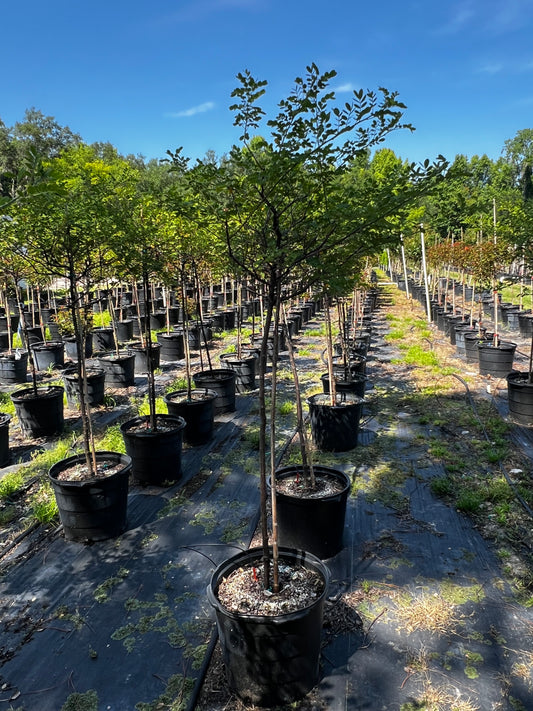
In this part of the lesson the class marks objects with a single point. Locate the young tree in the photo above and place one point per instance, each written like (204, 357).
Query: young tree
(62, 234)
(282, 206)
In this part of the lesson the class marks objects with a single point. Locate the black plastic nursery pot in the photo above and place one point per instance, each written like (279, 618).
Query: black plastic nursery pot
(103, 339)
(155, 455)
(270, 660)
(35, 335)
(512, 319)
(5, 419)
(119, 370)
(460, 333)
(93, 509)
(172, 347)
(48, 354)
(244, 369)
(520, 397)
(335, 428)
(496, 360)
(142, 360)
(14, 367)
(4, 340)
(355, 384)
(472, 339)
(222, 382)
(312, 521)
(71, 347)
(525, 324)
(95, 387)
(198, 411)
(124, 330)
(40, 414)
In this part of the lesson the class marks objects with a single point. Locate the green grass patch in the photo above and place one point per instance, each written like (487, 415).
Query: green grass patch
(11, 484)
(112, 440)
(417, 355)
(43, 505)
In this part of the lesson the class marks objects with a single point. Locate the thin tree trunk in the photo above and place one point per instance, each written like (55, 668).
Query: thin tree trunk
(329, 341)
(307, 462)
(150, 371)
(262, 442)
(79, 333)
(25, 337)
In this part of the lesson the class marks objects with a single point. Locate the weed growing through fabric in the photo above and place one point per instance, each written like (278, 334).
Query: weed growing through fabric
(469, 500)
(11, 484)
(102, 592)
(175, 697)
(86, 701)
(43, 506)
(316, 332)
(305, 351)
(286, 407)
(206, 518)
(112, 440)
(251, 436)
(442, 486)
(6, 404)
(177, 384)
(143, 408)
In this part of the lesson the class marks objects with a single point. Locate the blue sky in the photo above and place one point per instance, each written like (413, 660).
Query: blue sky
(152, 76)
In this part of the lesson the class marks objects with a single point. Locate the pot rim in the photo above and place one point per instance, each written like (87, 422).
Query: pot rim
(285, 472)
(348, 399)
(52, 391)
(215, 373)
(252, 554)
(168, 397)
(101, 454)
(13, 356)
(125, 427)
(43, 345)
(503, 346)
(91, 370)
(519, 379)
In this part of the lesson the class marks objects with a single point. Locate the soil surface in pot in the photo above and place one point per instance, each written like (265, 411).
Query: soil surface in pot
(196, 396)
(299, 485)
(243, 592)
(163, 424)
(80, 471)
(29, 394)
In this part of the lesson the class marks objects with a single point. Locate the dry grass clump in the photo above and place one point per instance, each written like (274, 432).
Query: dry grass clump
(429, 612)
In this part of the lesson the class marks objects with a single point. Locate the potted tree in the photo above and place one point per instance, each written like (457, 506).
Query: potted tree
(62, 239)
(153, 441)
(495, 356)
(39, 407)
(195, 404)
(520, 382)
(280, 209)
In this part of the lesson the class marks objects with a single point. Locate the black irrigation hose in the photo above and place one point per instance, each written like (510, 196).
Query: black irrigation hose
(512, 485)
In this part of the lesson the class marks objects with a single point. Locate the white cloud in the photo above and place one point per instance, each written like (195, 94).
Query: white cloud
(200, 109)
(491, 68)
(345, 88)
(459, 20)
